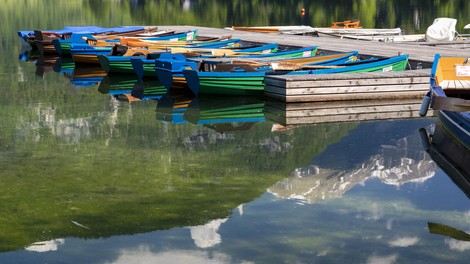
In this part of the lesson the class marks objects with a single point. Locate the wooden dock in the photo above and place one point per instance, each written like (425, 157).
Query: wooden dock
(331, 87)
(347, 86)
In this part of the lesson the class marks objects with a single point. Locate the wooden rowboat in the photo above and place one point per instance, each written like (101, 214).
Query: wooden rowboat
(338, 32)
(170, 72)
(450, 95)
(244, 81)
(290, 30)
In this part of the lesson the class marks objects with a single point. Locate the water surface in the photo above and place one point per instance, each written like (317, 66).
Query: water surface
(88, 177)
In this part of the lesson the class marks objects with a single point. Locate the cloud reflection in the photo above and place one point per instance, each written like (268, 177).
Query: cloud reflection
(404, 242)
(45, 246)
(206, 236)
(143, 255)
(457, 245)
(383, 259)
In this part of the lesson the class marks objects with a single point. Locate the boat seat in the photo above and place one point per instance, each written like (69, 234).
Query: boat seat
(455, 84)
(346, 24)
(453, 73)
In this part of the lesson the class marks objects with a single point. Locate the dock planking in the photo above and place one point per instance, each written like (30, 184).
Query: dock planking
(423, 53)
(347, 86)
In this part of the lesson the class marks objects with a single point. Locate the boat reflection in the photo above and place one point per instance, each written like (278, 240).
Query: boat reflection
(64, 65)
(45, 64)
(171, 108)
(226, 113)
(86, 76)
(450, 153)
(130, 89)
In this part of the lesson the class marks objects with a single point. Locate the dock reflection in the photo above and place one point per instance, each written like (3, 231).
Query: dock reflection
(294, 114)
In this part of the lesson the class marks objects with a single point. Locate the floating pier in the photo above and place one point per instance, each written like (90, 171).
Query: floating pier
(347, 86)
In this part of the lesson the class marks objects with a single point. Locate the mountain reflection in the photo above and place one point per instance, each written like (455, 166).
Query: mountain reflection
(394, 163)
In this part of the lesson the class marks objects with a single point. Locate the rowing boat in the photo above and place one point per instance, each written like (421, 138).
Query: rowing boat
(43, 39)
(289, 30)
(170, 72)
(450, 95)
(245, 80)
(141, 61)
(338, 32)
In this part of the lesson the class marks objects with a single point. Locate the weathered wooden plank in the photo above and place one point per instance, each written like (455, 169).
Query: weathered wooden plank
(345, 82)
(346, 97)
(444, 84)
(465, 84)
(360, 75)
(340, 76)
(347, 90)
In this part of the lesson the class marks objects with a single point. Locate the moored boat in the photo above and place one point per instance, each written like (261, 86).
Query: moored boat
(338, 32)
(450, 95)
(288, 30)
(45, 37)
(242, 80)
(170, 72)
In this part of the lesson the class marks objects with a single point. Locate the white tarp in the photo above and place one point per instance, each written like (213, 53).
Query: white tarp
(442, 29)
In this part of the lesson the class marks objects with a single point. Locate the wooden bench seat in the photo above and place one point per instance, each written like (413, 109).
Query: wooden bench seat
(455, 84)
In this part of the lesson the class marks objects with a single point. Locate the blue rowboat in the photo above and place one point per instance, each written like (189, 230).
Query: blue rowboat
(84, 53)
(397, 63)
(145, 62)
(243, 80)
(169, 70)
(27, 36)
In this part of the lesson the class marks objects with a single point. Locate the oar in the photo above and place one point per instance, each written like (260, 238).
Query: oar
(450, 104)
(289, 66)
(448, 231)
(252, 63)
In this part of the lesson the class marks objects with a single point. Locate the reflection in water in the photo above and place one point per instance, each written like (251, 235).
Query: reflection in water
(394, 165)
(151, 191)
(171, 108)
(226, 113)
(86, 76)
(206, 236)
(51, 245)
(451, 153)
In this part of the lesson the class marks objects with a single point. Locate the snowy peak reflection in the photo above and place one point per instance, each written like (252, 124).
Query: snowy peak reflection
(45, 246)
(394, 164)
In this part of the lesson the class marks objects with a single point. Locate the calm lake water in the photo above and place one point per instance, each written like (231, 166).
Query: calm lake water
(88, 178)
